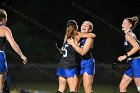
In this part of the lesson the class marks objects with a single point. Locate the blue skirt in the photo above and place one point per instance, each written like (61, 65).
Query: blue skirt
(3, 63)
(134, 70)
(88, 66)
(66, 72)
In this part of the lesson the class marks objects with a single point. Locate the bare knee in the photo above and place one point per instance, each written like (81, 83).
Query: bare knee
(122, 87)
(124, 83)
(88, 90)
(137, 82)
(88, 87)
(62, 84)
(87, 81)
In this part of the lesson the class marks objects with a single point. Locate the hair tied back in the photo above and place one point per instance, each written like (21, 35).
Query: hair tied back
(135, 19)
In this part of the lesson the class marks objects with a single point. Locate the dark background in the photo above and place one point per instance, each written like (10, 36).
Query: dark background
(37, 24)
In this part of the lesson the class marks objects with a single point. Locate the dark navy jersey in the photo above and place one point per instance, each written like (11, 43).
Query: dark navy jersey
(70, 58)
(128, 46)
(2, 42)
(88, 55)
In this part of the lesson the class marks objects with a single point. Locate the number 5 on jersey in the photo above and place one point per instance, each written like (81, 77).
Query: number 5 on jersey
(65, 50)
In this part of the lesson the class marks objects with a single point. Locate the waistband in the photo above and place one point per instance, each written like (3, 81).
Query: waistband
(133, 58)
(1, 51)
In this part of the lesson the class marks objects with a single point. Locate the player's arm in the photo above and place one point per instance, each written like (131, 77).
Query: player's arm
(88, 44)
(134, 43)
(85, 35)
(13, 44)
(135, 47)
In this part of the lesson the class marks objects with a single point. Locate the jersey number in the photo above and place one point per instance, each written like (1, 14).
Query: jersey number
(65, 51)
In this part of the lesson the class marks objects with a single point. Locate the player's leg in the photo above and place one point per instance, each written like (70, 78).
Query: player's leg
(80, 78)
(62, 85)
(87, 82)
(2, 80)
(6, 87)
(137, 82)
(124, 83)
(136, 72)
(72, 82)
(88, 71)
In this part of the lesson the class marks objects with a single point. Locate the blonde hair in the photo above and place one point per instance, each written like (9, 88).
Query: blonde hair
(133, 20)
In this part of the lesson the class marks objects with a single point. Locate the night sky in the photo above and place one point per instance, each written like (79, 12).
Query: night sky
(37, 24)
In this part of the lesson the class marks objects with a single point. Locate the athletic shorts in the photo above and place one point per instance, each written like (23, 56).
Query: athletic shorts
(88, 66)
(3, 63)
(66, 72)
(134, 70)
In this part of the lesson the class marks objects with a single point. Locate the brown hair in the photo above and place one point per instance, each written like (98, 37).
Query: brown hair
(2, 14)
(72, 27)
(133, 20)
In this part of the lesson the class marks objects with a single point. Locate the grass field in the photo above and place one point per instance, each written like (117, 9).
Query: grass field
(51, 88)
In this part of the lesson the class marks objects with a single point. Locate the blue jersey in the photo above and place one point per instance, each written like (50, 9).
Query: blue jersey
(88, 55)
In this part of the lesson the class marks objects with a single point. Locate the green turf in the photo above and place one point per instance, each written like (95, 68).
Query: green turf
(51, 88)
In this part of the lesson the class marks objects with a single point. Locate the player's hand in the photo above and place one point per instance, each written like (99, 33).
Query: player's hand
(61, 51)
(121, 58)
(24, 59)
(92, 35)
(70, 41)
